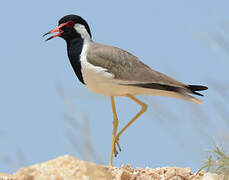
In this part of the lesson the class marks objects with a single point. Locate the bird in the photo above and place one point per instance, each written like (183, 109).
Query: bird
(114, 72)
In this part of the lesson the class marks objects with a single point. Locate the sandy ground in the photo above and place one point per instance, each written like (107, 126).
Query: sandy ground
(70, 168)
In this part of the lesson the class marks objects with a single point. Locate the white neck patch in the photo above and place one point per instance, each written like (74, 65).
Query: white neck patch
(82, 31)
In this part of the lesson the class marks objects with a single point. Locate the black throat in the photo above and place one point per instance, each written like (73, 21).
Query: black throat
(74, 48)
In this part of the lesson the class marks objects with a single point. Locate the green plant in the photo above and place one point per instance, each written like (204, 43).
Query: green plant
(217, 162)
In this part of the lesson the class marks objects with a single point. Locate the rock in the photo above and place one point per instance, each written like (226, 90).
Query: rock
(70, 168)
(213, 176)
(63, 168)
(4, 176)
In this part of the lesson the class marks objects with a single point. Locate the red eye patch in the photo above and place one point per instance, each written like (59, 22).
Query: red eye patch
(70, 24)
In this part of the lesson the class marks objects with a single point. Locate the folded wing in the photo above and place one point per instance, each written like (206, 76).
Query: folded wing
(130, 71)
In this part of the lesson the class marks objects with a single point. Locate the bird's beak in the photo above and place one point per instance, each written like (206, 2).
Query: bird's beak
(58, 29)
(52, 31)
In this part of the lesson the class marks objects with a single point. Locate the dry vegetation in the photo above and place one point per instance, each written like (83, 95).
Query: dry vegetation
(217, 162)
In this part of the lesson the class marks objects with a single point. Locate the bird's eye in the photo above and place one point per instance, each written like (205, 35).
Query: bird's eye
(70, 24)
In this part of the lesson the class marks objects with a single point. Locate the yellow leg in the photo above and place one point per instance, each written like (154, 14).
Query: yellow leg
(144, 108)
(115, 127)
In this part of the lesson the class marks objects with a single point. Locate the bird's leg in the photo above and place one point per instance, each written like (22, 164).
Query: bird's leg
(115, 127)
(144, 108)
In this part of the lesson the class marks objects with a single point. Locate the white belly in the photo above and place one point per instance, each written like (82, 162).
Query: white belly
(100, 81)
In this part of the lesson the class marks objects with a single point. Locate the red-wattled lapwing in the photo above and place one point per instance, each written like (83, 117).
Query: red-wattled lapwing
(111, 71)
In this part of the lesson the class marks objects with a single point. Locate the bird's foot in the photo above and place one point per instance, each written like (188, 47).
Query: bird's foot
(119, 147)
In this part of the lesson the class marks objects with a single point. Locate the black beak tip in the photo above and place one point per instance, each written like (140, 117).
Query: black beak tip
(46, 34)
(49, 38)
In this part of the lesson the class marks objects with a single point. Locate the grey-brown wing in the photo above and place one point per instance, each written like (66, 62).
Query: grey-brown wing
(126, 67)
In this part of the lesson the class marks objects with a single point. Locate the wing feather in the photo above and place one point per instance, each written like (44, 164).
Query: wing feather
(125, 66)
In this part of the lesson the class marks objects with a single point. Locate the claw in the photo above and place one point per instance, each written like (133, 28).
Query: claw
(118, 145)
(115, 152)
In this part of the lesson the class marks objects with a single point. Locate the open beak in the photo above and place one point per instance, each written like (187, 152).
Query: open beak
(58, 29)
(52, 31)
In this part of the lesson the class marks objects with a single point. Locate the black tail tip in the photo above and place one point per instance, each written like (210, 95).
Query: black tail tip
(197, 87)
(194, 88)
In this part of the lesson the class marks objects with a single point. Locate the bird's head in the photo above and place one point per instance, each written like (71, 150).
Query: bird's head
(71, 27)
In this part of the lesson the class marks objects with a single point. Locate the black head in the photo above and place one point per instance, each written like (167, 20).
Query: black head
(71, 27)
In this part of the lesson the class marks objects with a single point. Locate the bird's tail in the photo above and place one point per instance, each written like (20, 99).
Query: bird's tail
(193, 90)
(184, 92)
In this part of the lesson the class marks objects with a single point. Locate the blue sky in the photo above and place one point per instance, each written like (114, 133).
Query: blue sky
(169, 36)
